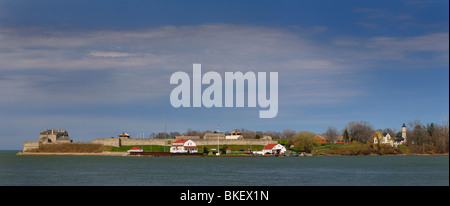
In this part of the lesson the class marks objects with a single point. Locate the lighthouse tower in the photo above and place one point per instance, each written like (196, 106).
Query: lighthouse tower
(404, 133)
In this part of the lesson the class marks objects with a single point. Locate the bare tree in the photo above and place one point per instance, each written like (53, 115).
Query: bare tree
(174, 134)
(360, 131)
(247, 134)
(160, 135)
(331, 134)
(273, 134)
(418, 134)
(191, 132)
(287, 133)
(390, 131)
(444, 136)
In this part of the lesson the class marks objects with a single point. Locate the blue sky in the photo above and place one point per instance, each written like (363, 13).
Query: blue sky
(97, 68)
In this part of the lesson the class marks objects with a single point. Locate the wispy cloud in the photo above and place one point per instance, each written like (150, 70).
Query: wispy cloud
(130, 63)
(403, 50)
(105, 65)
(109, 54)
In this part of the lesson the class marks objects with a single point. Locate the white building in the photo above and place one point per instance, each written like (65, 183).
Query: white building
(183, 146)
(384, 139)
(274, 149)
(234, 135)
(403, 134)
(136, 149)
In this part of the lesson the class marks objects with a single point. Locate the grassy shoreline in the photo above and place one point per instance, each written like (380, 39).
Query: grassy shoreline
(354, 149)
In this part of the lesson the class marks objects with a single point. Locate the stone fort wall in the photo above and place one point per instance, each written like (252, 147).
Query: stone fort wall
(28, 145)
(117, 142)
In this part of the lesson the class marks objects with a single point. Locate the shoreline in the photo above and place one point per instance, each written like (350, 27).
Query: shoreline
(116, 154)
(125, 154)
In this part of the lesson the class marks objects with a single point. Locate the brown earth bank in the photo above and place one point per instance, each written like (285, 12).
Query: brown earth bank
(379, 149)
(71, 148)
(75, 153)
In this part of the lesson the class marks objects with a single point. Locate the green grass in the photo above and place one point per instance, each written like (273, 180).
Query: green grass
(281, 141)
(328, 146)
(233, 147)
(152, 148)
(158, 148)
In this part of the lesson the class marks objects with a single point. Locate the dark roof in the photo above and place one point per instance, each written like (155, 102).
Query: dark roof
(399, 139)
(64, 138)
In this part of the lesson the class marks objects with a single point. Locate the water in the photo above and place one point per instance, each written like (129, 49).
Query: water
(225, 171)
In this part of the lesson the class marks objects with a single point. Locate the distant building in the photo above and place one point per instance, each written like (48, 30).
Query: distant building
(234, 135)
(54, 136)
(136, 149)
(274, 149)
(49, 136)
(228, 150)
(321, 139)
(183, 146)
(267, 137)
(384, 139)
(124, 135)
(393, 141)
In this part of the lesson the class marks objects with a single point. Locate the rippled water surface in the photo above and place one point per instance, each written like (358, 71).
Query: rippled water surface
(218, 171)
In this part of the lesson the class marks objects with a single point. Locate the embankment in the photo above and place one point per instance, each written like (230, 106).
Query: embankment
(75, 153)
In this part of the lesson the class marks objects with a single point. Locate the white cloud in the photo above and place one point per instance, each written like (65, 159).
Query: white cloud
(401, 50)
(105, 65)
(109, 54)
(429, 42)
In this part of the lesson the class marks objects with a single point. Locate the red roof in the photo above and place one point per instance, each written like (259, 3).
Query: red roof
(270, 146)
(135, 148)
(321, 139)
(181, 141)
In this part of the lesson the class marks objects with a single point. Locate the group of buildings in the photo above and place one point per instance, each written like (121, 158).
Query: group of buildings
(186, 144)
(393, 141)
(232, 135)
(189, 146)
(382, 138)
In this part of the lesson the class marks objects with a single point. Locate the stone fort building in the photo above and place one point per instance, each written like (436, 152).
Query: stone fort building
(54, 136)
(49, 136)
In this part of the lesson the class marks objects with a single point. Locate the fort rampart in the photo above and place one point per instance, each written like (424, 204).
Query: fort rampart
(117, 142)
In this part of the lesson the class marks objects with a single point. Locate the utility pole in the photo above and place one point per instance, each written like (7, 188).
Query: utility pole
(218, 128)
(165, 134)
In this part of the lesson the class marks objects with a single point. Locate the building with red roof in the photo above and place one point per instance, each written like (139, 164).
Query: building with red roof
(274, 149)
(184, 146)
(321, 139)
(135, 149)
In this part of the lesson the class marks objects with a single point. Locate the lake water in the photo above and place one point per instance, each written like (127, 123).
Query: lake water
(224, 171)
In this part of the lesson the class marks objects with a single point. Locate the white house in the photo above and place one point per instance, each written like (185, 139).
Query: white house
(183, 146)
(385, 140)
(274, 149)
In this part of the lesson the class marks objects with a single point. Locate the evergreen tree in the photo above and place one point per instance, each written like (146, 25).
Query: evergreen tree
(345, 135)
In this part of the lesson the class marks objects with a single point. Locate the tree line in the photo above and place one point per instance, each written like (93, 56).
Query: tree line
(421, 138)
(246, 133)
